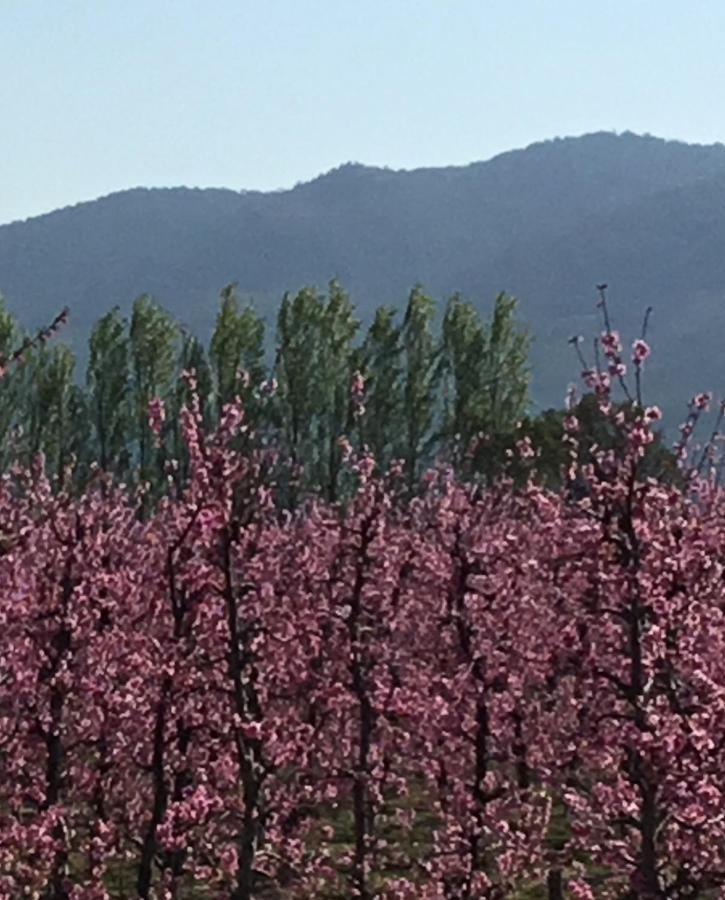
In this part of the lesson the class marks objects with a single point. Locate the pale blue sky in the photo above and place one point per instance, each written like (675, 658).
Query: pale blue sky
(100, 95)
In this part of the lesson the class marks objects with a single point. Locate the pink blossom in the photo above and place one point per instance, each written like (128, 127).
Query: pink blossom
(702, 401)
(611, 343)
(580, 890)
(357, 392)
(640, 351)
(525, 448)
(157, 415)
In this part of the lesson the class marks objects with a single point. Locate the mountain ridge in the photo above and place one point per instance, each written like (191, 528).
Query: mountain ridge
(351, 165)
(545, 222)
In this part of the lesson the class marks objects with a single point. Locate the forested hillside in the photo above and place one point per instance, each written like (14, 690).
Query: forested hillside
(544, 223)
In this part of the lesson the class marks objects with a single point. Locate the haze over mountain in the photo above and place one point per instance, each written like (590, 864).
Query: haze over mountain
(545, 223)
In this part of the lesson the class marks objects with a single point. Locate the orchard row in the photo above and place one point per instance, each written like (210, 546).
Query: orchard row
(473, 693)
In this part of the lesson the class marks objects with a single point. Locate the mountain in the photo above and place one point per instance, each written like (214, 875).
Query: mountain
(546, 223)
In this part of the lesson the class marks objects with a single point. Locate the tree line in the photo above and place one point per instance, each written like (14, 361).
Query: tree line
(426, 388)
(419, 386)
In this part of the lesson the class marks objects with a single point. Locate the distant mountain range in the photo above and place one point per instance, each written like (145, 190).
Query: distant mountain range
(545, 223)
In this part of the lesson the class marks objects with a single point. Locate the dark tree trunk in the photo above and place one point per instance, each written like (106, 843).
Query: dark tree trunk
(161, 796)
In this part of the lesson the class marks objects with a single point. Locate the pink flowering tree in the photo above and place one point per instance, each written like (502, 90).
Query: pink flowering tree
(484, 718)
(218, 721)
(359, 680)
(64, 567)
(645, 597)
(643, 594)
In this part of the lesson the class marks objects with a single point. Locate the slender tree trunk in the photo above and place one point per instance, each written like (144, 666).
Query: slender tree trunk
(249, 751)
(161, 795)
(56, 889)
(182, 780)
(554, 885)
(161, 789)
(55, 750)
(363, 817)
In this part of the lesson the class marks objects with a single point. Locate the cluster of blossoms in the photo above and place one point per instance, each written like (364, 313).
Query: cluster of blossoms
(387, 700)
(640, 351)
(612, 347)
(157, 415)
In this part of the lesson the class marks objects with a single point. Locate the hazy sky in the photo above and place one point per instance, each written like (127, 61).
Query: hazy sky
(100, 95)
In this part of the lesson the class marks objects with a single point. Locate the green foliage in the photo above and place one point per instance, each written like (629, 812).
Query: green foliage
(108, 380)
(314, 371)
(400, 391)
(545, 214)
(13, 389)
(237, 350)
(154, 339)
(485, 379)
(506, 377)
(595, 431)
(419, 382)
(56, 408)
(338, 329)
(296, 369)
(463, 370)
(381, 363)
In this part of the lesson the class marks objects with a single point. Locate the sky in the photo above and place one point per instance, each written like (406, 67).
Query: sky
(101, 95)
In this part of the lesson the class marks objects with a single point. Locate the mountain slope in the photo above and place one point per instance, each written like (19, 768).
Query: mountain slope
(666, 250)
(546, 222)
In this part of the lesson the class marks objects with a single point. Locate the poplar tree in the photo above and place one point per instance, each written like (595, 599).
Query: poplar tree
(419, 382)
(108, 382)
(335, 371)
(14, 387)
(298, 377)
(237, 353)
(382, 367)
(56, 408)
(462, 369)
(485, 378)
(507, 373)
(154, 340)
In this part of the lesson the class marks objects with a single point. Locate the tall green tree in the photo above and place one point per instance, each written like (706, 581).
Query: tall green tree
(484, 377)
(335, 371)
(15, 386)
(314, 373)
(381, 364)
(237, 352)
(154, 341)
(419, 382)
(108, 383)
(463, 371)
(56, 410)
(507, 375)
(299, 323)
